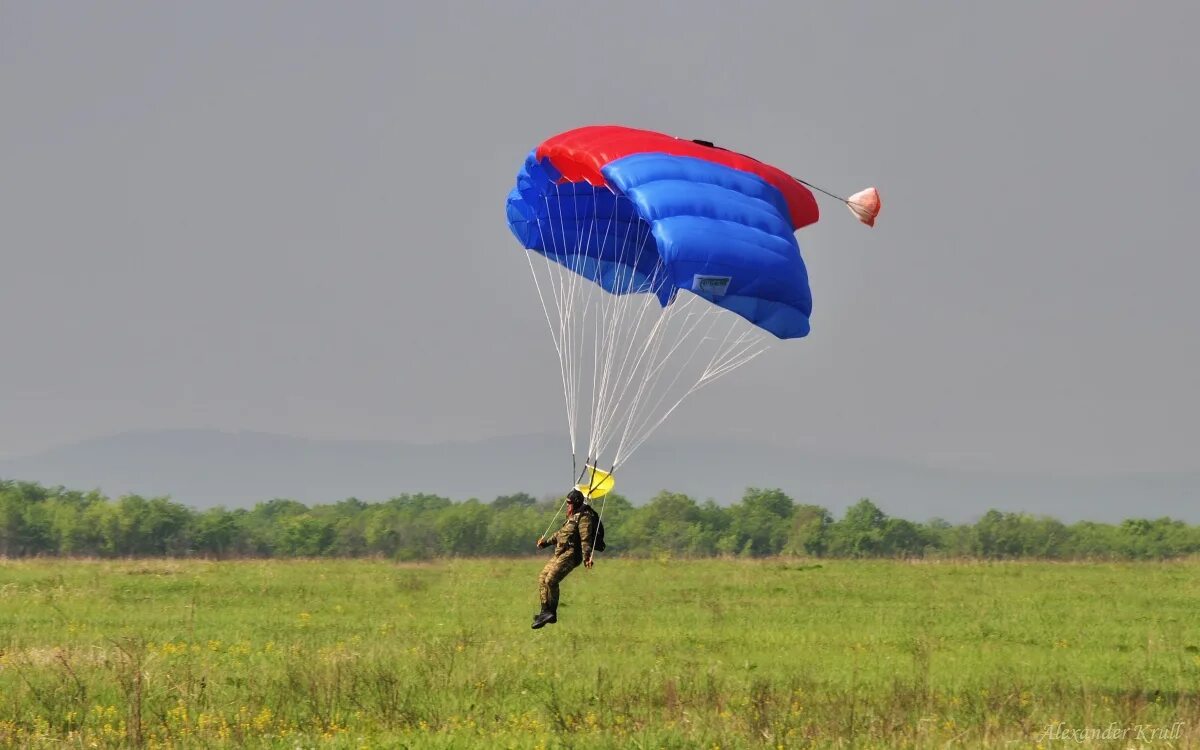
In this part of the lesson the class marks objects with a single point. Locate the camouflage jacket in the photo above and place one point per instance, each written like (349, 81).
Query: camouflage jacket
(574, 536)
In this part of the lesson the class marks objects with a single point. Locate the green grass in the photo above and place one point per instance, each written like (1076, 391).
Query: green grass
(714, 653)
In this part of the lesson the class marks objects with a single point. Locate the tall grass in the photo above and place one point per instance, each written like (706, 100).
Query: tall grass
(713, 653)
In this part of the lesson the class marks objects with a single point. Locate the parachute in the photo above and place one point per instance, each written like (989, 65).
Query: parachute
(662, 264)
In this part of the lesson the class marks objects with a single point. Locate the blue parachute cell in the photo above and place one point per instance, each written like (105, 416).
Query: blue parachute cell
(665, 222)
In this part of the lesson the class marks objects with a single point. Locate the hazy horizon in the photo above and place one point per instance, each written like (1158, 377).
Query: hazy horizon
(237, 469)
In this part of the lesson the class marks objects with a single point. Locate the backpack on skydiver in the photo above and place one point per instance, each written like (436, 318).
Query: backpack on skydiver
(597, 532)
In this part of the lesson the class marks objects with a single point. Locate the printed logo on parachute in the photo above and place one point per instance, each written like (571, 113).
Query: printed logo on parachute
(713, 285)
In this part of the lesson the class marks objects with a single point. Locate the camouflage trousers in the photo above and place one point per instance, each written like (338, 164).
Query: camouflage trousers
(551, 575)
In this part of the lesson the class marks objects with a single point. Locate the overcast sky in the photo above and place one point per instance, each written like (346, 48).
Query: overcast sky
(289, 217)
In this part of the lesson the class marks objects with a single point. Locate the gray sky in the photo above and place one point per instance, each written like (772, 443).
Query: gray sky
(289, 217)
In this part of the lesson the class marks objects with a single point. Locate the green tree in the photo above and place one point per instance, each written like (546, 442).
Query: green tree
(519, 499)
(305, 536)
(154, 526)
(670, 522)
(808, 531)
(463, 529)
(900, 538)
(216, 532)
(762, 521)
(860, 532)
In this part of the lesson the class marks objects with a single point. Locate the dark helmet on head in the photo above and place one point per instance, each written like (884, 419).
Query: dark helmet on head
(575, 497)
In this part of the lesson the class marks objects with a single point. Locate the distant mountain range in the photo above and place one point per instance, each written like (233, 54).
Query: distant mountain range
(203, 468)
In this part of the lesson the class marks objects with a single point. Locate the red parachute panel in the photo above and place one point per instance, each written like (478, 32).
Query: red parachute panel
(580, 154)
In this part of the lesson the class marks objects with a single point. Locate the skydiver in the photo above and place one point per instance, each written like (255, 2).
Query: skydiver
(572, 545)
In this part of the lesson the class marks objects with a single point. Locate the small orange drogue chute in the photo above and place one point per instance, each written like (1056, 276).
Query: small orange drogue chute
(865, 205)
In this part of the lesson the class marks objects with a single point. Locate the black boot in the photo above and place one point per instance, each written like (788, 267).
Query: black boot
(542, 618)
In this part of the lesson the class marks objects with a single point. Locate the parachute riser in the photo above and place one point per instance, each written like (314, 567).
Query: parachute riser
(819, 189)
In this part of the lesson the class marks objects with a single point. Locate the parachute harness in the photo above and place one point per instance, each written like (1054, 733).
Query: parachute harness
(599, 514)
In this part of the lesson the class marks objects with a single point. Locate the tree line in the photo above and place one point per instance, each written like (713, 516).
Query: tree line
(52, 521)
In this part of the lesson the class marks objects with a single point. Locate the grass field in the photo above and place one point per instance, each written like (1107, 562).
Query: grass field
(776, 653)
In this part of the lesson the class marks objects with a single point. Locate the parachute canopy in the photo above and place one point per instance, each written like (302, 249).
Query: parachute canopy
(662, 264)
(635, 211)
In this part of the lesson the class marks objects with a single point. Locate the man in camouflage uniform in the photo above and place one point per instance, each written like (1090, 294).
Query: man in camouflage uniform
(572, 545)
